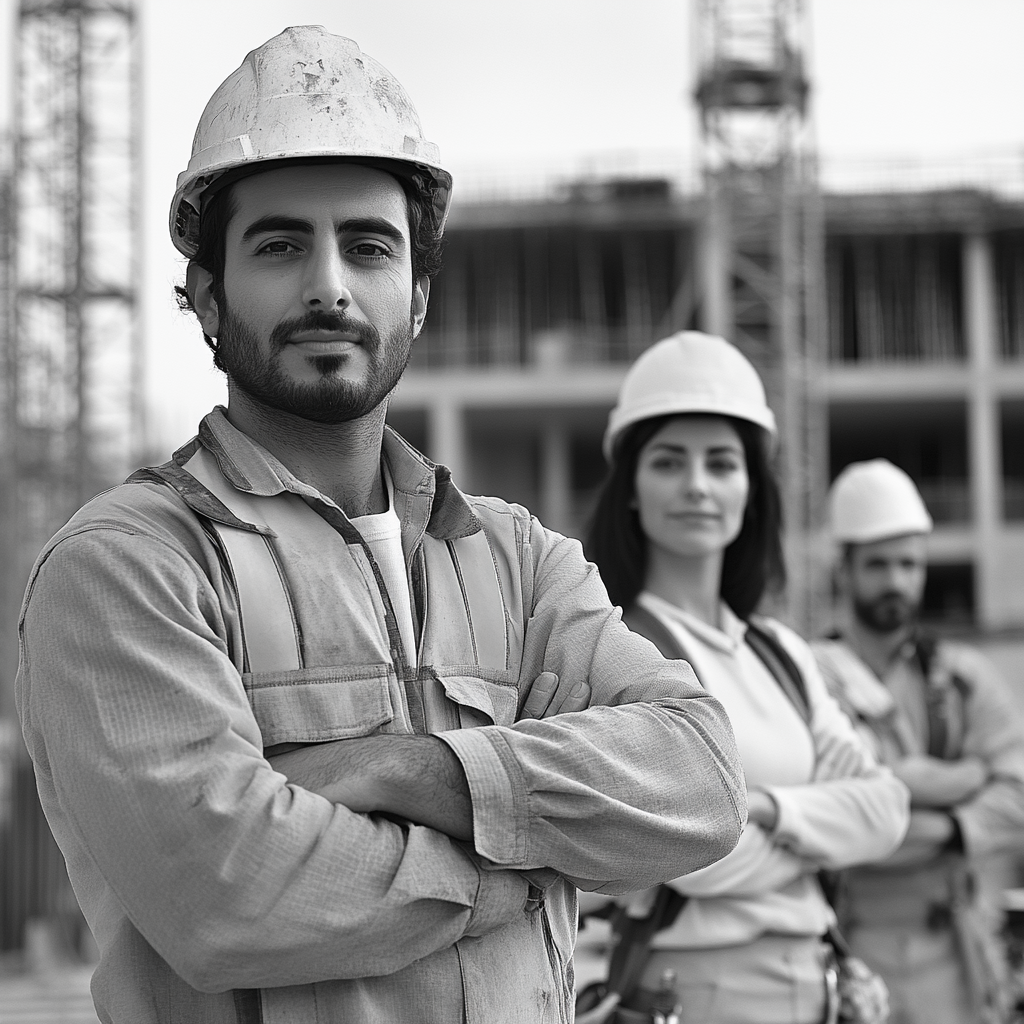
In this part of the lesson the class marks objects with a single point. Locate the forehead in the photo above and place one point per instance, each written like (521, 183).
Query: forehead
(909, 547)
(319, 193)
(697, 432)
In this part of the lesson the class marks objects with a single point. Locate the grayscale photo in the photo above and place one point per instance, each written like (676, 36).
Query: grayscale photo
(512, 514)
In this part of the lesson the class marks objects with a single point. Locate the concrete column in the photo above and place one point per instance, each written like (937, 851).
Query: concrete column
(446, 438)
(555, 477)
(983, 439)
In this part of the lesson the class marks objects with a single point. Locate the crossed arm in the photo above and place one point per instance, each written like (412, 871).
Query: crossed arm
(415, 778)
(936, 787)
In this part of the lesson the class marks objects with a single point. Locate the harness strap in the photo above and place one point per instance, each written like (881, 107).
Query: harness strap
(648, 625)
(766, 645)
(269, 629)
(762, 642)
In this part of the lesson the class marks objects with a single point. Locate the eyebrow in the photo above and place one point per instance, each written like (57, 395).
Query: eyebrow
(278, 222)
(728, 446)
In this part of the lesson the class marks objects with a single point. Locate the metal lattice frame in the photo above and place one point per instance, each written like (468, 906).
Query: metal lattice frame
(76, 208)
(71, 344)
(762, 245)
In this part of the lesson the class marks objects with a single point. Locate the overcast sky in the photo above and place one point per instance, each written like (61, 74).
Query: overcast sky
(556, 84)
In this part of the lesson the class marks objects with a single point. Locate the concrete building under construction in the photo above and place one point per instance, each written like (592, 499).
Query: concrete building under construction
(922, 355)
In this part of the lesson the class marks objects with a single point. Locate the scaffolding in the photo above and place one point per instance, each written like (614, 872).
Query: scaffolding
(762, 237)
(72, 366)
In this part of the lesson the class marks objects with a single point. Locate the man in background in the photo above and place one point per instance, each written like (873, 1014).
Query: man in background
(939, 716)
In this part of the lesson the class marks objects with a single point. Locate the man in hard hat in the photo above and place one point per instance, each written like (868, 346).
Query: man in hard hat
(322, 738)
(938, 715)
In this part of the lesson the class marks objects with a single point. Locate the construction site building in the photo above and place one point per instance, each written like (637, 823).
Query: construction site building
(543, 303)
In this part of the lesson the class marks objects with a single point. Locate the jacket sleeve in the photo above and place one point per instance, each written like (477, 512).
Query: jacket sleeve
(992, 820)
(643, 786)
(151, 770)
(854, 810)
(755, 867)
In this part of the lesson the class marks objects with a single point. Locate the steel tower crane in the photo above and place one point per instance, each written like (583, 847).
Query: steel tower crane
(71, 359)
(761, 249)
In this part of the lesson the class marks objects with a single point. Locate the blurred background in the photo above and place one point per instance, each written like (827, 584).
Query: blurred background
(836, 187)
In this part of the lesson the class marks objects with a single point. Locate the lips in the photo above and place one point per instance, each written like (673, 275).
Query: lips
(323, 337)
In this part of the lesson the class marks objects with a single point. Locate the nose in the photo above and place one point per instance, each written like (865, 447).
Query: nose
(696, 480)
(326, 284)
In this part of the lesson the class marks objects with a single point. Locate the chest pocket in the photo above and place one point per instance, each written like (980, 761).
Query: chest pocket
(314, 705)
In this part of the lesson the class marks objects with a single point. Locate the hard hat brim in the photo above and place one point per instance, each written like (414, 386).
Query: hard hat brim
(195, 190)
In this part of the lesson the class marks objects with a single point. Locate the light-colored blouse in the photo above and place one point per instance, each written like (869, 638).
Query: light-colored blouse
(837, 806)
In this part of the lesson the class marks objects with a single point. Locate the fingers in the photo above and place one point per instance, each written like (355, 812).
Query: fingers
(541, 692)
(577, 700)
(551, 696)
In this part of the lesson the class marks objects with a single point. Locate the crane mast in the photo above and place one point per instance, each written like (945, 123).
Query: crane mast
(761, 248)
(71, 399)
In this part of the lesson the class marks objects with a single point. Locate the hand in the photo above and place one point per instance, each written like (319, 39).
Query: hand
(550, 696)
(762, 809)
(928, 833)
(939, 784)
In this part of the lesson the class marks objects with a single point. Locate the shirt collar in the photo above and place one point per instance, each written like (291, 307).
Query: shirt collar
(425, 497)
(727, 639)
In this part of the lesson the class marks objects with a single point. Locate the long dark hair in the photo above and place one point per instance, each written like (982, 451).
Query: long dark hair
(752, 563)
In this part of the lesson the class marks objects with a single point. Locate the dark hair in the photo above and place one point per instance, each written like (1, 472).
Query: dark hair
(426, 243)
(753, 562)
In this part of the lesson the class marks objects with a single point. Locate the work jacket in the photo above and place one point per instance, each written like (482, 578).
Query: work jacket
(217, 891)
(943, 699)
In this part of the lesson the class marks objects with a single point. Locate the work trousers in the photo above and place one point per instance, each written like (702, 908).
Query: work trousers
(777, 979)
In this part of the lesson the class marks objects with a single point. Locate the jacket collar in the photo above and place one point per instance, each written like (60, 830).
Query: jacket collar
(426, 500)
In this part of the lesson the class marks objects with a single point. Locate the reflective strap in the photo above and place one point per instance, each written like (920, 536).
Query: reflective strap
(485, 604)
(265, 609)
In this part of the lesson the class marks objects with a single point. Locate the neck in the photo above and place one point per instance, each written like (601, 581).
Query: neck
(692, 584)
(876, 650)
(341, 460)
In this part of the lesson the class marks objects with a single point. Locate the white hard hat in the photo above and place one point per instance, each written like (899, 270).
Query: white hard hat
(689, 372)
(875, 500)
(305, 94)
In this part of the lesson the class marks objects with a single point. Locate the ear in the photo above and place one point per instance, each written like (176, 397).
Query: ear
(199, 285)
(420, 296)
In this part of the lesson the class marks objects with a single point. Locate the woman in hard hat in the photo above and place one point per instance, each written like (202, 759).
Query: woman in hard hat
(687, 537)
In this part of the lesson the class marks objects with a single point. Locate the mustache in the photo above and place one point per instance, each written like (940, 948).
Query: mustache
(318, 320)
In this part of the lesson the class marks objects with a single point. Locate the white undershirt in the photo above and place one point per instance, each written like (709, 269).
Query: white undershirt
(383, 533)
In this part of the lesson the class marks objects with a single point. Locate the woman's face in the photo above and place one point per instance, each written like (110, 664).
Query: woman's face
(691, 486)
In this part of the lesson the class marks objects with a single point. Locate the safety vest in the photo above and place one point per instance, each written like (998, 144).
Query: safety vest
(470, 592)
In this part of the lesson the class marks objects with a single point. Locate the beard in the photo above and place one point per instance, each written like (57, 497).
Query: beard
(886, 613)
(331, 399)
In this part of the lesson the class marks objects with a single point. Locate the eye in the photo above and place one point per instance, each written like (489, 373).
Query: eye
(370, 249)
(723, 464)
(278, 247)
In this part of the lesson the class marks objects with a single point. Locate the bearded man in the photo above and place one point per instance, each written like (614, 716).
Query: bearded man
(321, 737)
(939, 716)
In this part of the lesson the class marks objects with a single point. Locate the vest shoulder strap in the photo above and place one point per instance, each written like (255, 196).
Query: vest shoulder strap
(482, 598)
(269, 629)
(763, 642)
